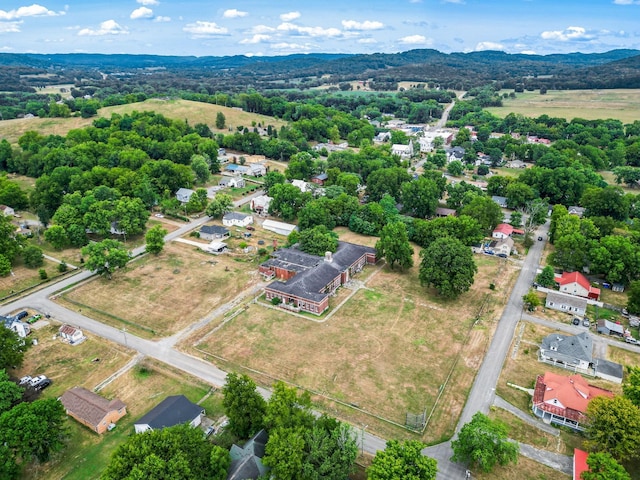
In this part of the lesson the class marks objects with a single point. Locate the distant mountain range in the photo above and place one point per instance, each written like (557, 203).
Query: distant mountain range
(616, 68)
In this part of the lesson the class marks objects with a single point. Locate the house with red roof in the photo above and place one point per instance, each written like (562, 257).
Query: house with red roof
(574, 283)
(502, 231)
(563, 400)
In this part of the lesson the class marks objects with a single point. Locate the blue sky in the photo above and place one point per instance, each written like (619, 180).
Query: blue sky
(281, 27)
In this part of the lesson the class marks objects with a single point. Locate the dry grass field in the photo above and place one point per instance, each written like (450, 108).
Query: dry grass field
(158, 296)
(194, 112)
(387, 350)
(23, 277)
(525, 469)
(621, 104)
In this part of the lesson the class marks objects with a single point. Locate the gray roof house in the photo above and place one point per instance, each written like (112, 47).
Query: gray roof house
(246, 462)
(213, 232)
(174, 410)
(501, 201)
(610, 328)
(184, 194)
(236, 219)
(566, 303)
(573, 352)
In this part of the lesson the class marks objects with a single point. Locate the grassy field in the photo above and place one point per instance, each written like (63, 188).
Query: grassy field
(193, 112)
(158, 296)
(387, 350)
(141, 388)
(525, 469)
(22, 277)
(621, 104)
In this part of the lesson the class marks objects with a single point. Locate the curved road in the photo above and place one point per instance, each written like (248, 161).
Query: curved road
(481, 396)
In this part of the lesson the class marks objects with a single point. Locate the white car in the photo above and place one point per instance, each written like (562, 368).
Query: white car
(36, 380)
(24, 380)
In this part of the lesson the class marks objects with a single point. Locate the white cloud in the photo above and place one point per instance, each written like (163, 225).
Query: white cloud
(489, 46)
(148, 2)
(309, 31)
(109, 27)
(366, 25)
(204, 29)
(528, 52)
(234, 13)
(258, 29)
(257, 38)
(414, 40)
(459, 2)
(367, 40)
(287, 17)
(570, 33)
(5, 49)
(161, 18)
(34, 10)
(291, 46)
(10, 27)
(626, 2)
(142, 12)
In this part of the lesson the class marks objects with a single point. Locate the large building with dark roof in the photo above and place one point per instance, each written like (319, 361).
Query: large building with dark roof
(174, 410)
(305, 282)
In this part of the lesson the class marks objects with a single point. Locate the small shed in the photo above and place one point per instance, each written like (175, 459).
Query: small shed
(280, 228)
(71, 334)
(617, 287)
(609, 328)
(216, 247)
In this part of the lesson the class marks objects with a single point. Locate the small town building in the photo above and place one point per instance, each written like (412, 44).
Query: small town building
(280, 228)
(257, 169)
(71, 334)
(235, 219)
(319, 179)
(301, 185)
(260, 204)
(572, 352)
(246, 461)
(403, 151)
(183, 195)
(502, 231)
(577, 284)
(92, 410)
(563, 400)
(174, 410)
(575, 210)
(213, 232)
(501, 201)
(609, 328)
(15, 324)
(444, 212)
(501, 247)
(7, 211)
(566, 303)
(579, 463)
(216, 247)
(236, 169)
(232, 182)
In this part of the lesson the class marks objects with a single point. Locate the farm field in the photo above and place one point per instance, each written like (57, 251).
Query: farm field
(621, 104)
(158, 296)
(193, 112)
(387, 350)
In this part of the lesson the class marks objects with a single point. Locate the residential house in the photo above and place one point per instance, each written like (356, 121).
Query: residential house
(92, 410)
(174, 410)
(213, 232)
(609, 328)
(216, 247)
(575, 210)
(13, 323)
(280, 228)
(246, 461)
(71, 334)
(184, 194)
(563, 400)
(331, 147)
(403, 151)
(232, 182)
(501, 201)
(236, 169)
(455, 153)
(445, 212)
(319, 179)
(572, 352)
(566, 303)
(301, 185)
(502, 247)
(576, 283)
(235, 219)
(260, 204)
(306, 281)
(257, 169)
(382, 137)
(7, 211)
(502, 231)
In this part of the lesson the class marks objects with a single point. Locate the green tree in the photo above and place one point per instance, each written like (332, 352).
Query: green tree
(174, 452)
(284, 453)
(330, 450)
(603, 466)
(243, 405)
(10, 243)
(9, 469)
(482, 443)
(200, 168)
(12, 349)
(318, 240)
(547, 277)
(32, 256)
(633, 299)
(531, 300)
(420, 197)
(10, 392)
(221, 121)
(402, 460)
(34, 430)
(287, 201)
(394, 245)
(220, 463)
(222, 203)
(515, 219)
(613, 427)
(105, 257)
(487, 212)
(56, 235)
(455, 168)
(448, 266)
(286, 409)
(155, 239)
(5, 266)
(273, 178)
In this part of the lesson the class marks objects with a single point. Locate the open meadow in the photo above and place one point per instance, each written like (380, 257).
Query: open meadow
(621, 104)
(193, 112)
(387, 351)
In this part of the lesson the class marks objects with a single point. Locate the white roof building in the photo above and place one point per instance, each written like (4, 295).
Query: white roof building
(280, 228)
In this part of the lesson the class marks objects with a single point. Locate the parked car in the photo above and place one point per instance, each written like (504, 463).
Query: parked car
(36, 380)
(586, 322)
(251, 228)
(25, 380)
(34, 319)
(43, 384)
(576, 321)
(209, 431)
(631, 340)
(540, 238)
(22, 314)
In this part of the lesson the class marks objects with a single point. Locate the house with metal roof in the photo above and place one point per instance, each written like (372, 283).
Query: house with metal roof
(609, 328)
(174, 410)
(576, 283)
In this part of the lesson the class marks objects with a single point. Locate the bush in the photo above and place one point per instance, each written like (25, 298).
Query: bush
(63, 267)
(492, 286)
(43, 274)
(276, 301)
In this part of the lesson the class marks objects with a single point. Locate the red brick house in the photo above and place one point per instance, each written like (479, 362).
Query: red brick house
(92, 410)
(574, 283)
(563, 400)
(305, 282)
(319, 179)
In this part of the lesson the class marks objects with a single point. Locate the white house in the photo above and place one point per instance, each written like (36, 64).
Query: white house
(403, 151)
(261, 204)
(280, 228)
(502, 247)
(184, 194)
(232, 182)
(13, 323)
(302, 185)
(566, 303)
(71, 334)
(235, 219)
(257, 169)
(502, 231)
(6, 210)
(216, 247)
